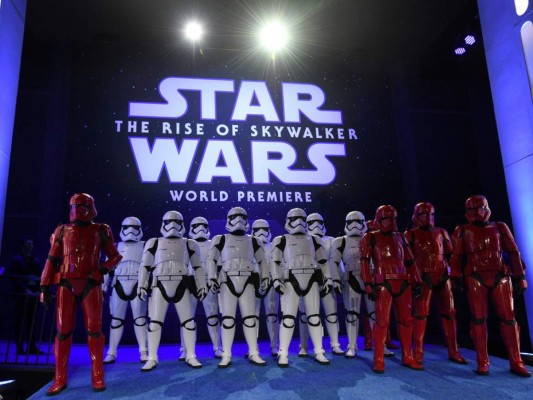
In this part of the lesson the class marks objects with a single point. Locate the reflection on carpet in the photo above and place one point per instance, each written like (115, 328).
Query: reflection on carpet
(304, 379)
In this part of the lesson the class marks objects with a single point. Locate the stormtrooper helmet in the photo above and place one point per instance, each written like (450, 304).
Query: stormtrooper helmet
(296, 221)
(172, 225)
(261, 230)
(199, 228)
(131, 230)
(355, 224)
(315, 224)
(237, 220)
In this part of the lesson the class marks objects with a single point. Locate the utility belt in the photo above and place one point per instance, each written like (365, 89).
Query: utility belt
(303, 270)
(433, 269)
(380, 278)
(95, 275)
(169, 277)
(239, 273)
(127, 277)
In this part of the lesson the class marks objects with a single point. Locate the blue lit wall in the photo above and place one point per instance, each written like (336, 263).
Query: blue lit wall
(507, 48)
(12, 16)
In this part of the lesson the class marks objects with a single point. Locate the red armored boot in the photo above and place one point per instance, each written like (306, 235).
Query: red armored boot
(378, 336)
(419, 329)
(511, 340)
(449, 327)
(405, 333)
(478, 332)
(96, 349)
(62, 353)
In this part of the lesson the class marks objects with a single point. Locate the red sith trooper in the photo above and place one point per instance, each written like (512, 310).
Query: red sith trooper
(432, 249)
(73, 265)
(395, 275)
(478, 248)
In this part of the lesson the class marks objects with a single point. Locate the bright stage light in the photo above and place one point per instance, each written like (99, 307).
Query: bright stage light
(460, 51)
(470, 40)
(193, 31)
(274, 36)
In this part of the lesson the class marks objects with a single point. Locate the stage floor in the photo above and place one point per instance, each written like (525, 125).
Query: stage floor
(304, 379)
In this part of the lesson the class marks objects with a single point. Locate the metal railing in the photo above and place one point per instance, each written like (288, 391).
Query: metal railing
(27, 329)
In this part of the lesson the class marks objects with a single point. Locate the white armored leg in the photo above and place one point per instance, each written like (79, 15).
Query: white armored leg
(210, 305)
(188, 328)
(329, 303)
(290, 307)
(157, 310)
(138, 308)
(352, 302)
(118, 313)
(312, 306)
(271, 308)
(228, 303)
(115, 334)
(249, 320)
(154, 338)
(303, 330)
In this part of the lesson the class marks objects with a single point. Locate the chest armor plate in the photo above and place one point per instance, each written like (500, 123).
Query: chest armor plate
(81, 248)
(171, 257)
(428, 249)
(352, 255)
(238, 253)
(299, 252)
(131, 253)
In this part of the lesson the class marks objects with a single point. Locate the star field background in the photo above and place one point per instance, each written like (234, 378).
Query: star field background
(83, 62)
(100, 161)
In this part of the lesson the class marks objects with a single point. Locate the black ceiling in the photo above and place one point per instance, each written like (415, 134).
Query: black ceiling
(377, 28)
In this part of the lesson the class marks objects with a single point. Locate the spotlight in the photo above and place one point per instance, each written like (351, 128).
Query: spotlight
(460, 51)
(274, 36)
(470, 40)
(193, 31)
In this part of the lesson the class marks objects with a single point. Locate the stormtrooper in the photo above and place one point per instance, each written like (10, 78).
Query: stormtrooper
(165, 261)
(236, 253)
(316, 226)
(299, 269)
(73, 265)
(394, 277)
(199, 231)
(345, 251)
(270, 298)
(432, 249)
(477, 261)
(124, 290)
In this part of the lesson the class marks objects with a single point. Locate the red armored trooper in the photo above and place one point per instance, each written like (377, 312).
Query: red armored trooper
(395, 275)
(432, 249)
(73, 265)
(478, 248)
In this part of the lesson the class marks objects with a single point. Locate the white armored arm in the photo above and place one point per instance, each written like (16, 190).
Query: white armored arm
(195, 260)
(147, 266)
(212, 261)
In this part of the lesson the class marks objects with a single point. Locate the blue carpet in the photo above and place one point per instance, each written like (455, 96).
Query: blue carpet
(304, 379)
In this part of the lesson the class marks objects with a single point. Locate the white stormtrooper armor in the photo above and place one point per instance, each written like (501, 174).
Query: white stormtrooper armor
(167, 259)
(124, 290)
(236, 253)
(345, 250)
(270, 298)
(316, 226)
(299, 266)
(199, 231)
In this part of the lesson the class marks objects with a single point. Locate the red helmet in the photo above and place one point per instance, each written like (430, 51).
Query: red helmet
(385, 220)
(82, 208)
(477, 209)
(424, 215)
